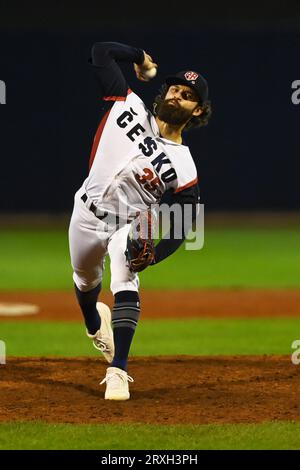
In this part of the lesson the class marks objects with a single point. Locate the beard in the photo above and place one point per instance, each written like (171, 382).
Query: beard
(172, 114)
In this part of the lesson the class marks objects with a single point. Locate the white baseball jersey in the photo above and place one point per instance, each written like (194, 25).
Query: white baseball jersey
(132, 163)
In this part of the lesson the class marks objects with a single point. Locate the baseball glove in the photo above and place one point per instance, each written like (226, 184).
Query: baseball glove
(140, 250)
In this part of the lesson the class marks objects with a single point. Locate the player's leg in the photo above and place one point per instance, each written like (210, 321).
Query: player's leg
(125, 315)
(124, 286)
(87, 250)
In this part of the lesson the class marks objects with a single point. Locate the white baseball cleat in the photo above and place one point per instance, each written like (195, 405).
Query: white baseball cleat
(103, 339)
(116, 384)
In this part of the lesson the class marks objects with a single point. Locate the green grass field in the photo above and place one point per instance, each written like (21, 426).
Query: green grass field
(16, 436)
(231, 258)
(158, 337)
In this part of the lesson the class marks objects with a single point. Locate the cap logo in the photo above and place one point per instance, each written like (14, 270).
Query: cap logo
(191, 76)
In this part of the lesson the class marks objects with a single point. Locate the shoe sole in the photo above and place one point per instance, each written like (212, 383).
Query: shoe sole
(117, 398)
(106, 329)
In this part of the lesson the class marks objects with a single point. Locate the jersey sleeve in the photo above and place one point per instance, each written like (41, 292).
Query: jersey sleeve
(104, 59)
(169, 243)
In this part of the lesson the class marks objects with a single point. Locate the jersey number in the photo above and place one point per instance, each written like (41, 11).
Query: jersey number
(148, 180)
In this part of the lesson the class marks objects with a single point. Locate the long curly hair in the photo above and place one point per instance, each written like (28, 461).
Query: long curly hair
(195, 121)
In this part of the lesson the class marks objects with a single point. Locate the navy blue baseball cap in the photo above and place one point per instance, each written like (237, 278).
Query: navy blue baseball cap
(192, 79)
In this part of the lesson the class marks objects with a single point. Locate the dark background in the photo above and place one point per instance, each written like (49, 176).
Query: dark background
(248, 156)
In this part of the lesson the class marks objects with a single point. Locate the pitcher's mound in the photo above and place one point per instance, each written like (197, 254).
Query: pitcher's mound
(166, 390)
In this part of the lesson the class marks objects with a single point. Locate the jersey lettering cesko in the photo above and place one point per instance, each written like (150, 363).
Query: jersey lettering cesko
(132, 163)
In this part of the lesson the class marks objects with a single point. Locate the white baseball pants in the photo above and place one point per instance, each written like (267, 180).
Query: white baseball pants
(90, 240)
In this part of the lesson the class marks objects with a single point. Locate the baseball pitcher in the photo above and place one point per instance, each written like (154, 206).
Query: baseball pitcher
(136, 157)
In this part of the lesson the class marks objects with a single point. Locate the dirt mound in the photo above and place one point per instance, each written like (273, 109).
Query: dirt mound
(166, 390)
(62, 305)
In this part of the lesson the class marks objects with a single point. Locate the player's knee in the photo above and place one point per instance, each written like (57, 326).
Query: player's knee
(85, 283)
(119, 286)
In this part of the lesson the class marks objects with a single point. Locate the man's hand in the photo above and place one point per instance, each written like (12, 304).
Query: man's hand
(140, 70)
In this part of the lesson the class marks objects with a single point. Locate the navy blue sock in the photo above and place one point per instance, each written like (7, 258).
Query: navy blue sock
(87, 302)
(125, 316)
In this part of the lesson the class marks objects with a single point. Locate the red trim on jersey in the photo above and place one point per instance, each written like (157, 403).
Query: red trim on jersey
(191, 183)
(117, 98)
(97, 138)
(114, 98)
